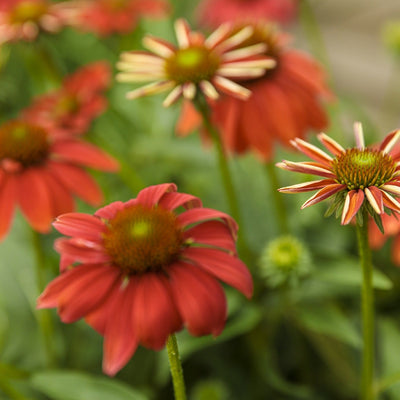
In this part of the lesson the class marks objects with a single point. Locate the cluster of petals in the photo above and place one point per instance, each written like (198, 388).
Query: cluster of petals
(378, 196)
(72, 108)
(233, 64)
(285, 103)
(212, 13)
(145, 308)
(105, 17)
(46, 189)
(24, 19)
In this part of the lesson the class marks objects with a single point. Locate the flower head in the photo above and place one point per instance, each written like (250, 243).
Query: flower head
(212, 13)
(359, 176)
(285, 102)
(71, 109)
(106, 17)
(206, 64)
(24, 19)
(285, 260)
(144, 270)
(40, 172)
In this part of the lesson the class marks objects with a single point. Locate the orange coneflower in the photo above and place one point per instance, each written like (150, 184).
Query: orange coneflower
(40, 172)
(207, 64)
(71, 109)
(138, 271)
(361, 176)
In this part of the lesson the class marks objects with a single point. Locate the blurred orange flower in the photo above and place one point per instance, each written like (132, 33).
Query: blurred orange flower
(284, 104)
(40, 172)
(71, 109)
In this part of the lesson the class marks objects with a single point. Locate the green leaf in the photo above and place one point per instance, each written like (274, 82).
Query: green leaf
(327, 319)
(348, 272)
(69, 385)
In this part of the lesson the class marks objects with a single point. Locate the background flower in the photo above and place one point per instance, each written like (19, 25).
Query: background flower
(212, 13)
(144, 271)
(285, 103)
(209, 65)
(71, 109)
(106, 17)
(40, 173)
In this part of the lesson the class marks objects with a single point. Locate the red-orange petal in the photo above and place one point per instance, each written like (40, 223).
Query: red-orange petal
(120, 340)
(85, 154)
(151, 195)
(223, 266)
(173, 200)
(353, 202)
(154, 312)
(81, 225)
(8, 199)
(213, 233)
(200, 299)
(34, 199)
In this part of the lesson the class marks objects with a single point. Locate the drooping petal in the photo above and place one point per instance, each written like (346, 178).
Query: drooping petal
(213, 233)
(151, 195)
(334, 147)
(197, 215)
(223, 266)
(307, 186)
(374, 196)
(352, 204)
(8, 199)
(80, 225)
(109, 211)
(323, 194)
(78, 181)
(306, 167)
(155, 315)
(34, 199)
(51, 295)
(200, 299)
(172, 200)
(61, 198)
(312, 151)
(82, 250)
(120, 340)
(390, 202)
(389, 141)
(86, 294)
(82, 153)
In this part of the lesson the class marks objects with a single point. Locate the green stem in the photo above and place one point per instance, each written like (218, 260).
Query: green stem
(202, 107)
(277, 199)
(367, 310)
(44, 317)
(176, 368)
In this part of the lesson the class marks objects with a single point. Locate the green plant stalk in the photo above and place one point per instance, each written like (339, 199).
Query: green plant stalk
(203, 108)
(367, 311)
(277, 198)
(44, 317)
(176, 368)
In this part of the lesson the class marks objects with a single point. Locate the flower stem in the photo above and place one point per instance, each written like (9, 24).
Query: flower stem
(367, 310)
(44, 317)
(277, 199)
(204, 110)
(176, 368)
(202, 106)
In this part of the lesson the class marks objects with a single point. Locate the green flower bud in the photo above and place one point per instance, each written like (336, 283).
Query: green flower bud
(284, 260)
